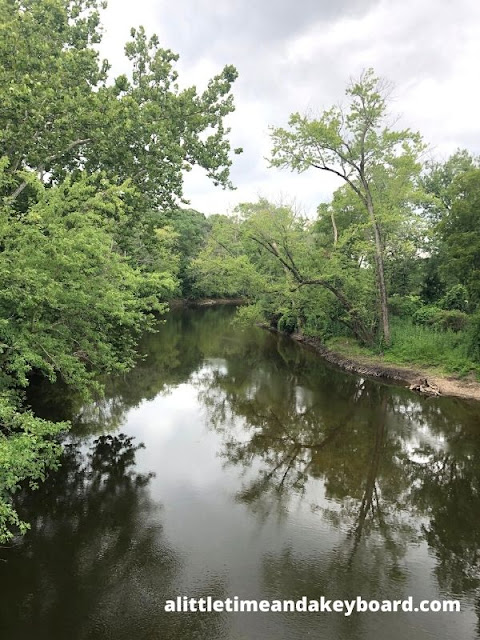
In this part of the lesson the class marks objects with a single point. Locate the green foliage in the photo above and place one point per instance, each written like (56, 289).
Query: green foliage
(405, 306)
(91, 240)
(70, 303)
(288, 322)
(222, 268)
(191, 229)
(424, 346)
(456, 298)
(474, 338)
(426, 315)
(453, 320)
(61, 112)
(248, 315)
(27, 452)
(379, 166)
(460, 237)
(441, 319)
(438, 178)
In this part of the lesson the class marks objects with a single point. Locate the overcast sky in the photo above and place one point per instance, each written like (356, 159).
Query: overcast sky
(295, 55)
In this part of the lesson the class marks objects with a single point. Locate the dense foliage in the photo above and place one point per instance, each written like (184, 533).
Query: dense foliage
(92, 240)
(392, 261)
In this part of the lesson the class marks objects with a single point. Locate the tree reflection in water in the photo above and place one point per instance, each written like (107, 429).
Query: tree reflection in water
(96, 564)
(396, 471)
(387, 472)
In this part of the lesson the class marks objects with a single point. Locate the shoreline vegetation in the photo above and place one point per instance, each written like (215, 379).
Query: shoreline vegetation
(346, 355)
(374, 366)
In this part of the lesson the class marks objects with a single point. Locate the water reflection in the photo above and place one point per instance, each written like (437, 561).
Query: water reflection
(167, 359)
(96, 563)
(396, 470)
(273, 476)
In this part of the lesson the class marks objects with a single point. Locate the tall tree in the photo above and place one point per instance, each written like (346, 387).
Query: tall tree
(62, 112)
(459, 231)
(355, 144)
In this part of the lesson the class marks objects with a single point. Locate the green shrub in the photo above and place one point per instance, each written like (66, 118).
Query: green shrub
(456, 299)
(288, 323)
(451, 320)
(474, 337)
(441, 319)
(404, 306)
(426, 316)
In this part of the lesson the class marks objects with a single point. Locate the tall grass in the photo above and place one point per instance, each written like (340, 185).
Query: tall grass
(415, 344)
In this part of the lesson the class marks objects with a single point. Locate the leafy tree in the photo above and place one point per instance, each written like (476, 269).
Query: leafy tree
(356, 145)
(437, 180)
(49, 70)
(62, 112)
(27, 452)
(89, 169)
(459, 231)
(222, 267)
(151, 131)
(71, 305)
(191, 229)
(300, 254)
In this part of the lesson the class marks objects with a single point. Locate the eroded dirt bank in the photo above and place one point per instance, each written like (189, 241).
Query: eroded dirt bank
(405, 376)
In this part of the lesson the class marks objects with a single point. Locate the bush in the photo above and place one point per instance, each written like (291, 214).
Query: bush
(404, 306)
(426, 316)
(441, 319)
(288, 323)
(474, 338)
(451, 320)
(456, 299)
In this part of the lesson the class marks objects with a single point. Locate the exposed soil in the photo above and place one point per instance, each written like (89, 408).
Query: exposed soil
(422, 380)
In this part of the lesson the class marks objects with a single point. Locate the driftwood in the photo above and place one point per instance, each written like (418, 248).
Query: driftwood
(424, 386)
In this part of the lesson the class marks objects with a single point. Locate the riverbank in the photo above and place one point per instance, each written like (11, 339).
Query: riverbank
(376, 367)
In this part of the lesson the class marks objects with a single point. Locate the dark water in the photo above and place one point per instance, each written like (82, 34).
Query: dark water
(237, 463)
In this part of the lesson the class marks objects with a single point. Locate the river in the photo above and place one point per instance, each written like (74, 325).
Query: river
(235, 462)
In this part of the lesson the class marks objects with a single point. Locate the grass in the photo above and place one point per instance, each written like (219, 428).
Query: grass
(414, 345)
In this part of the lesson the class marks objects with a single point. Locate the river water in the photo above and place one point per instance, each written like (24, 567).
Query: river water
(235, 462)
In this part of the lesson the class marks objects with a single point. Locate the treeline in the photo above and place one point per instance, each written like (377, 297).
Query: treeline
(391, 265)
(91, 172)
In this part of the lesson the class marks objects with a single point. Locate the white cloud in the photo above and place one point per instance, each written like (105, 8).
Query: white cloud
(290, 61)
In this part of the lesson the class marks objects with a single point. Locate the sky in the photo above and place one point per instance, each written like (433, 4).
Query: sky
(300, 55)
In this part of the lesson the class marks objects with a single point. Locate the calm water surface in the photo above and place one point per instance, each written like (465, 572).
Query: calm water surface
(236, 462)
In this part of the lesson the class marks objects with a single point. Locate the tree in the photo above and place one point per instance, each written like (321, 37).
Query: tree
(222, 267)
(437, 181)
(48, 75)
(356, 145)
(151, 131)
(292, 242)
(459, 231)
(89, 167)
(61, 112)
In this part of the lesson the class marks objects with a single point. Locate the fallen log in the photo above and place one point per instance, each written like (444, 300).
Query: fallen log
(424, 386)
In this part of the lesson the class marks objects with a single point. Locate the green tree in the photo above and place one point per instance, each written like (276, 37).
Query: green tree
(356, 145)
(60, 110)
(437, 181)
(89, 169)
(223, 267)
(459, 231)
(304, 260)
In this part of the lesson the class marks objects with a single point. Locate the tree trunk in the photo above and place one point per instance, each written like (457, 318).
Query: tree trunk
(382, 289)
